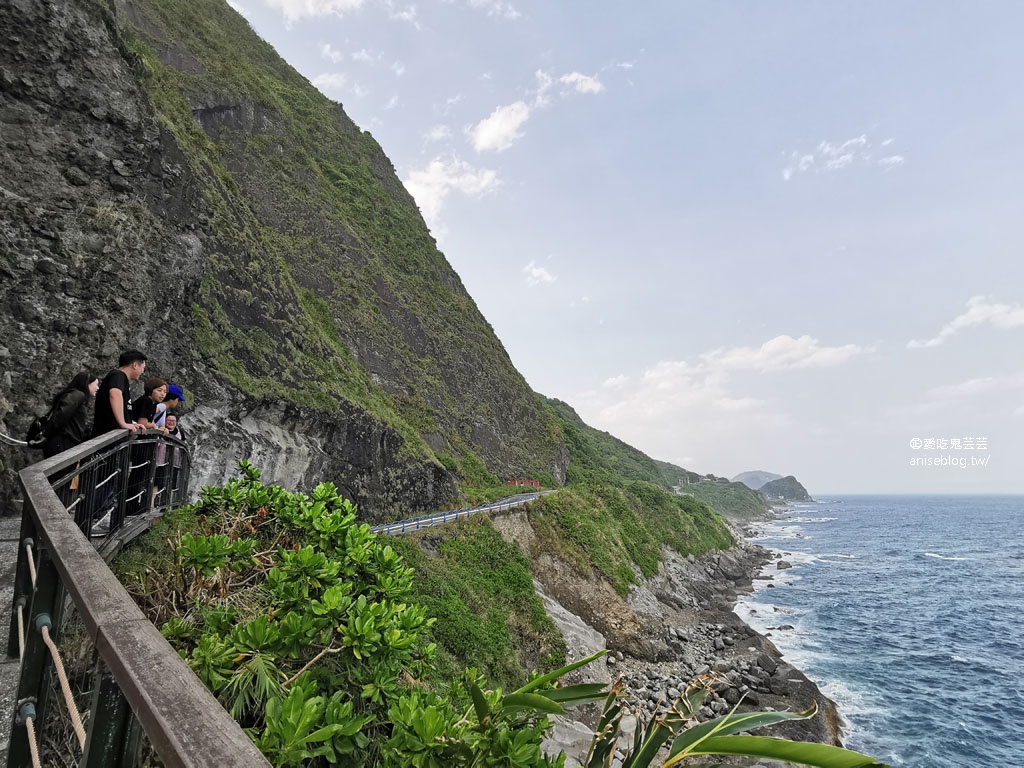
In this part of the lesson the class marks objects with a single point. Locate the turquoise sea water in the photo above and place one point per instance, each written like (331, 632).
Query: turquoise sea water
(909, 612)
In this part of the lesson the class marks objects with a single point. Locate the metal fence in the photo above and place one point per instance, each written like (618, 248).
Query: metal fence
(443, 518)
(115, 676)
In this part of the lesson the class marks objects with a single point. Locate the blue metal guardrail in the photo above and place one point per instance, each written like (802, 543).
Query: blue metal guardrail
(440, 518)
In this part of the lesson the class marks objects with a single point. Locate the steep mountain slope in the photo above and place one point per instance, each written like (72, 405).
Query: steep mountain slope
(170, 183)
(598, 455)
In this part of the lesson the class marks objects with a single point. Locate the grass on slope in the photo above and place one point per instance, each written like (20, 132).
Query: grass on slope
(730, 499)
(479, 588)
(600, 457)
(612, 527)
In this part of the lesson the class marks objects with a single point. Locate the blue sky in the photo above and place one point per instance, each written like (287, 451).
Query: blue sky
(738, 235)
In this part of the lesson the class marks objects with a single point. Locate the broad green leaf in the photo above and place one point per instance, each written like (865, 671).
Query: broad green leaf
(576, 694)
(550, 676)
(479, 702)
(734, 723)
(818, 755)
(532, 701)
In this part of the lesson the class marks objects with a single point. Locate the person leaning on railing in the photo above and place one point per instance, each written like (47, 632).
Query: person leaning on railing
(113, 401)
(67, 425)
(144, 409)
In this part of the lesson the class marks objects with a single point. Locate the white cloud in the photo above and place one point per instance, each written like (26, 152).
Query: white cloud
(781, 353)
(330, 82)
(398, 68)
(294, 10)
(238, 7)
(831, 156)
(984, 386)
(686, 407)
(431, 185)
(544, 83)
(438, 133)
(536, 275)
(582, 83)
(501, 129)
(332, 54)
(407, 14)
(392, 102)
(362, 55)
(980, 311)
(737, 403)
(496, 8)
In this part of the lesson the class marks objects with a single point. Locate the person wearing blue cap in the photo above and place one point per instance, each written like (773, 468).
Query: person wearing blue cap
(175, 397)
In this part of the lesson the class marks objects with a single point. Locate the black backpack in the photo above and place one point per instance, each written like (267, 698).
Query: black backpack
(39, 430)
(36, 435)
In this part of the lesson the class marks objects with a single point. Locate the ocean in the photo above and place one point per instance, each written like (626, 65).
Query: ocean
(908, 611)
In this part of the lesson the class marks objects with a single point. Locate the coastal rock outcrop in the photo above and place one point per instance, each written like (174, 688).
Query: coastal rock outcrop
(785, 489)
(676, 627)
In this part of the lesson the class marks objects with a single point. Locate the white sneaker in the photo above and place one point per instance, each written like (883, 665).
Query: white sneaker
(101, 527)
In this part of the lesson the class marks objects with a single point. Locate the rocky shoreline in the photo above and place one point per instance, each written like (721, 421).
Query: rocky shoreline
(670, 629)
(708, 640)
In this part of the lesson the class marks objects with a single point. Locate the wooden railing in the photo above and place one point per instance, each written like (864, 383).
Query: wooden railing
(137, 680)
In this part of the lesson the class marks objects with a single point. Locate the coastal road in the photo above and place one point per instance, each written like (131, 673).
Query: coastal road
(441, 518)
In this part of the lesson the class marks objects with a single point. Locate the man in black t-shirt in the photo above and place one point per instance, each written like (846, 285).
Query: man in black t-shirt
(113, 401)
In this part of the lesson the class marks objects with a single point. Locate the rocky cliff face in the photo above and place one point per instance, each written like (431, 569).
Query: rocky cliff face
(168, 183)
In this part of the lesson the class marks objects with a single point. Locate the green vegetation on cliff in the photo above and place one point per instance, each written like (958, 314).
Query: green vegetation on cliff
(734, 500)
(617, 511)
(304, 625)
(619, 530)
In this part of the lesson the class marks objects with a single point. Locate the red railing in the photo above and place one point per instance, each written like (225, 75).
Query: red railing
(531, 483)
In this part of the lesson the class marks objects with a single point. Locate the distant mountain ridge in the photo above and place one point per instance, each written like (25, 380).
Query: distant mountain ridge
(755, 479)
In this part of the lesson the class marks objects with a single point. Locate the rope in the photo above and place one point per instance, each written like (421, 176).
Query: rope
(110, 477)
(32, 746)
(31, 563)
(10, 440)
(76, 718)
(21, 629)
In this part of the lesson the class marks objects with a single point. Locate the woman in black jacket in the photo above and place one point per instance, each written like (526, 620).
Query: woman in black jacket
(66, 427)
